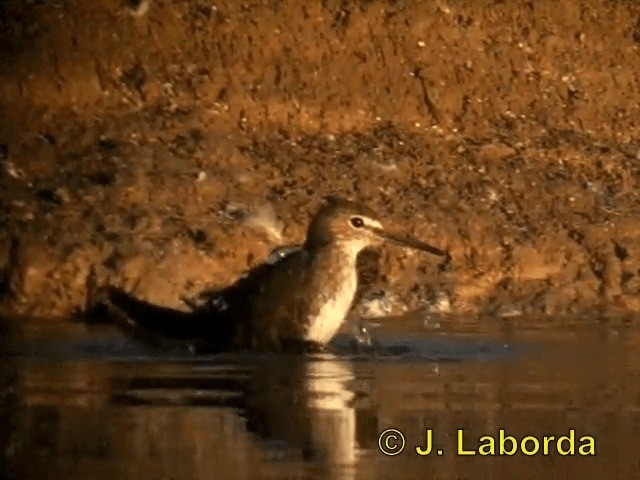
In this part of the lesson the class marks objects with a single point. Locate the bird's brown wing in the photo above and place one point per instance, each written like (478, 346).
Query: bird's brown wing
(258, 311)
(277, 304)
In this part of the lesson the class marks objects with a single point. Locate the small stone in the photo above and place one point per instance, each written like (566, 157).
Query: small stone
(63, 194)
(139, 8)
(13, 171)
(495, 151)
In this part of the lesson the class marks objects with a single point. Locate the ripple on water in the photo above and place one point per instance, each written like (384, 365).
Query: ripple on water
(91, 403)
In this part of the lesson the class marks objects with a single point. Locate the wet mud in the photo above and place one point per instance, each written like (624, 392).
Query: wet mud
(169, 146)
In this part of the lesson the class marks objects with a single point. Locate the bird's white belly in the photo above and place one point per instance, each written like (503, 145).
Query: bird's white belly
(324, 325)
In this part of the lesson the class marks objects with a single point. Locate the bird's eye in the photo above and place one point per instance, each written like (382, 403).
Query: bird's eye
(356, 222)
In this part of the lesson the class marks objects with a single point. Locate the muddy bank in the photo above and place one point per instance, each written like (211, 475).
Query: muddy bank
(171, 145)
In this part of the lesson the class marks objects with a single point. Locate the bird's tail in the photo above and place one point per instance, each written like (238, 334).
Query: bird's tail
(149, 323)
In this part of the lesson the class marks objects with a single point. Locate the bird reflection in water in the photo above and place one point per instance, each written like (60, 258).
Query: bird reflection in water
(301, 407)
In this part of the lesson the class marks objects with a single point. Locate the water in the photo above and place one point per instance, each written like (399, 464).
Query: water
(80, 403)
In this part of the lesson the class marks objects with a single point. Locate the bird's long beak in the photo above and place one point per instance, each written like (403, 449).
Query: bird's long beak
(410, 243)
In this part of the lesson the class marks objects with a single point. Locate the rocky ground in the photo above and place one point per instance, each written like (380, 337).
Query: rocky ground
(169, 146)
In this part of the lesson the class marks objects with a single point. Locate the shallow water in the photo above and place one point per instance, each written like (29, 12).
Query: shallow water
(90, 403)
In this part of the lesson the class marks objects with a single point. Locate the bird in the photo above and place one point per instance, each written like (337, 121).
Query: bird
(296, 300)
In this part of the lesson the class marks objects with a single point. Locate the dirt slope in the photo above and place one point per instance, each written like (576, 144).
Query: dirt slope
(156, 140)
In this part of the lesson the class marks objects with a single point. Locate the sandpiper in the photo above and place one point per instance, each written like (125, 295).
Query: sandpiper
(299, 299)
